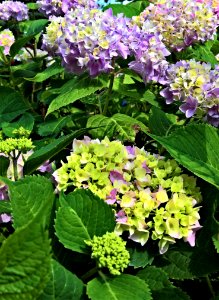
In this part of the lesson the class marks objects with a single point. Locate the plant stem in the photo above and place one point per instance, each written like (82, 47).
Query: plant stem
(112, 76)
(89, 273)
(14, 162)
(210, 286)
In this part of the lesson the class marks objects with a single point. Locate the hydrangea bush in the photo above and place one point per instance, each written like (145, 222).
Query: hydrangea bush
(109, 117)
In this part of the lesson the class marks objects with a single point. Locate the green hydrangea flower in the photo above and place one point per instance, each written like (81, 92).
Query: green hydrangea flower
(150, 195)
(109, 251)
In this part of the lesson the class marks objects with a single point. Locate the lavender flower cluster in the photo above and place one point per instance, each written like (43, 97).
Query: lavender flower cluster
(181, 22)
(13, 10)
(196, 86)
(60, 7)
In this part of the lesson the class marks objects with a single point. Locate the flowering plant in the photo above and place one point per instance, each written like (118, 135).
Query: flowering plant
(109, 116)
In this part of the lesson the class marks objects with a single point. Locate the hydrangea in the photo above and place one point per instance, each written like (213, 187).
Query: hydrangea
(13, 10)
(150, 195)
(60, 7)
(27, 54)
(91, 39)
(181, 22)
(6, 40)
(196, 86)
(109, 251)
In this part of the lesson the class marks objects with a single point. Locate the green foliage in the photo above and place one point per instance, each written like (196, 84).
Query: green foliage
(52, 70)
(126, 10)
(25, 262)
(53, 126)
(79, 89)
(81, 216)
(123, 287)
(216, 242)
(62, 285)
(139, 257)
(4, 164)
(26, 121)
(12, 104)
(28, 196)
(5, 206)
(194, 147)
(118, 126)
(49, 151)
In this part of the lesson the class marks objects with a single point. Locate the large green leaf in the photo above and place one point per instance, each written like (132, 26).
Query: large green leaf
(25, 263)
(11, 104)
(4, 164)
(28, 196)
(118, 126)
(79, 89)
(120, 8)
(5, 206)
(26, 121)
(170, 293)
(52, 70)
(123, 287)
(139, 256)
(204, 53)
(62, 285)
(82, 216)
(195, 147)
(53, 126)
(49, 151)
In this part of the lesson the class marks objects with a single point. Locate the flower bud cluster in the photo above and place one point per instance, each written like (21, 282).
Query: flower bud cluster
(181, 22)
(196, 86)
(146, 191)
(6, 40)
(109, 251)
(60, 7)
(13, 10)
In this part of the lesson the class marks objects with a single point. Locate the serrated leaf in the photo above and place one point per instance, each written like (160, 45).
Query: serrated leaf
(156, 278)
(160, 123)
(170, 293)
(82, 216)
(28, 196)
(194, 147)
(52, 70)
(203, 53)
(53, 126)
(123, 287)
(118, 126)
(215, 240)
(25, 263)
(62, 285)
(80, 89)
(139, 257)
(48, 151)
(26, 121)
(12, 104)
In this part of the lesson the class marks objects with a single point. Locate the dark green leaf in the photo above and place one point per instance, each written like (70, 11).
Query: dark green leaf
(26, 121)
(170, 293)
(63, 285)
(52, 70)
(53, 126)
(5, 207)
(4, 164)
(123, 287)
(82, 216)
(48, 151)
(139, 257)
(28, 196)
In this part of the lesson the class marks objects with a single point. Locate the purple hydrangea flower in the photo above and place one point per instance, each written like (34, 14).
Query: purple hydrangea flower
(13, 10)
(60, 7)
(181, 22)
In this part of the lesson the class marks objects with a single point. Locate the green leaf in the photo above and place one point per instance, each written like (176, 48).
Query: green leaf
(203, 53)
(194, 148)
(62, 285)
(53, 126)
(139, 257)
(81, 88)
(118, 126)
(215, 240)
(49, 151)
(139, 5)
(28, 196)
(25, 263)
(12, 104)
(5, 207)
(123, 287)
(52, 70)
(170, 293)
(32, 6)
(82, 216)
(160, 123)
(120, 8)
(4, 164)
(149, 97)
(26, 121)
(156, 278)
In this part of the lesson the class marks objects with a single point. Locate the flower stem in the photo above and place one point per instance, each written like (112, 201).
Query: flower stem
(210, 286)
(90, 273)
(112, 76)
(14, 162)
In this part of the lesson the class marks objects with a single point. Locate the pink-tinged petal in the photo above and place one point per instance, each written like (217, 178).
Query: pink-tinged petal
(5, 218)
(191, 236)
(115, 175)
(121, 217)
(148, 170)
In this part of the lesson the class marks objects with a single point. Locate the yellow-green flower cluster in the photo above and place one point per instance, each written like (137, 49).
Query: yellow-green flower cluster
(20, 142)
(146, 191)
(109, 251)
